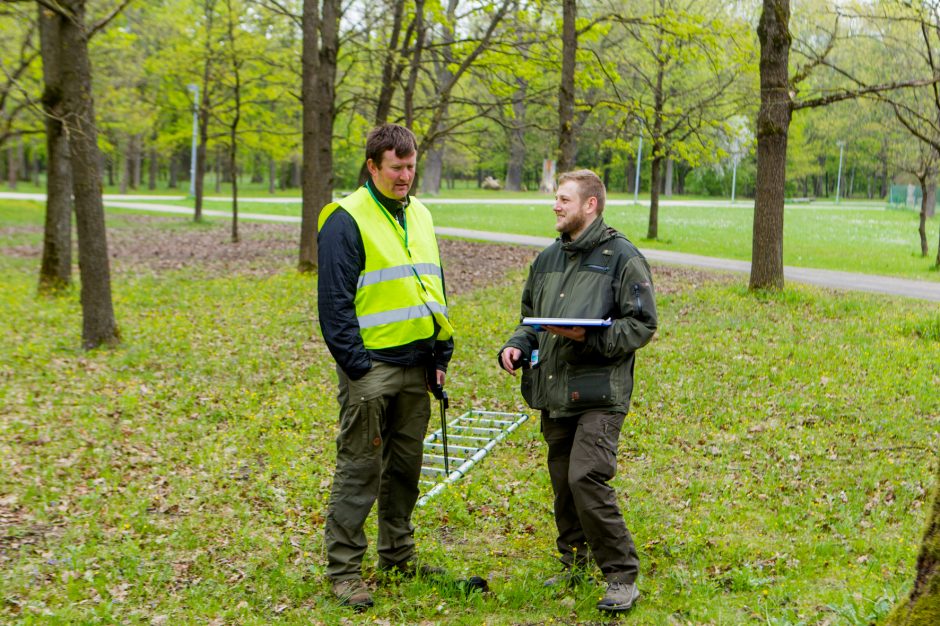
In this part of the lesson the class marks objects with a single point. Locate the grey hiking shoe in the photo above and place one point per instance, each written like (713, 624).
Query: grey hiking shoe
(619, 597)
(566, 578)
(353, 593)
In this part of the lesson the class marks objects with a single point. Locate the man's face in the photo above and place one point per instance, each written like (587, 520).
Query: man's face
(571, 215)
(393, 177)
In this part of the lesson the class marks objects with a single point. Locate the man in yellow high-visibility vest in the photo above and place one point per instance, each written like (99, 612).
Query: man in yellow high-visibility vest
(383, 314)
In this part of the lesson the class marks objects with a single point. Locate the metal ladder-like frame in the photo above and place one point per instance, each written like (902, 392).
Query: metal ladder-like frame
(470, 437)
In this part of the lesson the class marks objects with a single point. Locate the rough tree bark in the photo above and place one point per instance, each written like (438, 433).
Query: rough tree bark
(153, 167)
(922, 606)
(652, 231)
(320, 48)
(55, 272)
(567, 148)
(236, 117)
(98, 323)
(928, 191)
(773, 123)
(516, 165)
(203, 113)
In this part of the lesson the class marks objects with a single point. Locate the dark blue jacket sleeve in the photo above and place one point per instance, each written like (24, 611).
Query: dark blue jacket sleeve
(341, 258)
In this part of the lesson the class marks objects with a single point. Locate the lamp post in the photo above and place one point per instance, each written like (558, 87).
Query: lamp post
(194, 89)
(636, 181)
(841, 145)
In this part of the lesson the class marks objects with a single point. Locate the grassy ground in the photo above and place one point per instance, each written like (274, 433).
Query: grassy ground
(774, 468)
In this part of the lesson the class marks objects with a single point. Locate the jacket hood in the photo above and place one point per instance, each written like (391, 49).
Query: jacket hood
(594, 235)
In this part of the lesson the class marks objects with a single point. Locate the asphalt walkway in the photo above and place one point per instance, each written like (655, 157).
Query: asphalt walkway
(848, 281)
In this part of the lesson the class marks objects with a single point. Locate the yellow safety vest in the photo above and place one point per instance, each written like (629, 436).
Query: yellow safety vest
(401, 288)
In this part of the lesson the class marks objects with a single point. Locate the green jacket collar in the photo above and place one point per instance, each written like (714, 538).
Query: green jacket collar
(594, 235)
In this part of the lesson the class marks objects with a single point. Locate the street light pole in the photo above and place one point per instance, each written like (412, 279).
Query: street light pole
(194, 89)
(841, 145)
(636, 182)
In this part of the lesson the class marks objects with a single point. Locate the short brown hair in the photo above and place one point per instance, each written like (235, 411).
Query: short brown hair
(589, 185)
(390, 137)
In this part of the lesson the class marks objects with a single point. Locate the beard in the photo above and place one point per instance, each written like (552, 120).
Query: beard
(571, 223)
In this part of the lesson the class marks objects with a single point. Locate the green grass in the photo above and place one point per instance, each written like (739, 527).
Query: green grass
(775, 467)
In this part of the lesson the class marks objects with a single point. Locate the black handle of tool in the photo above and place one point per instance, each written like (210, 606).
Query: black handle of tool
(438, 392)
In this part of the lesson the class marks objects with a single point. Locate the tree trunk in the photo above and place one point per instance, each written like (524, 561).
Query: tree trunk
(257, 174)
(922, 606)
(922, 227)
(608, 157)
(411, 85)
(56, 270)
(173, 167)
(432, 171)
(98, 323)
(201, 151)
(681, 173)
(391, 66)
(125, 161)
(516, 165)
(773, 124)
(236, 118)
(272, 175)
(136, 160)
(12, 163)
(652, 231)
(667, 184)
(629, 175)
(218, 170)
(296, 172)
(153, 168)
(312, 198)
(203, 113)
(567, 147)
(320, 48)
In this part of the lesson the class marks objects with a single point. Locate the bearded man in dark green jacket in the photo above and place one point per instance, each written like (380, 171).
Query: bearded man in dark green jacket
(581, 377)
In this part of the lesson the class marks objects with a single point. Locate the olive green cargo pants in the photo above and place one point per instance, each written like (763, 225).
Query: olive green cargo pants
(582, 458)
(383, 421)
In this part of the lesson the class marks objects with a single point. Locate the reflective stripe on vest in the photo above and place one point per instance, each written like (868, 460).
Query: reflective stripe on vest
(400, 292)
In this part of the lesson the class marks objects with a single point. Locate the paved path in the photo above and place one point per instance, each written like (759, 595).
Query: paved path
(924, 290)
(825, 278)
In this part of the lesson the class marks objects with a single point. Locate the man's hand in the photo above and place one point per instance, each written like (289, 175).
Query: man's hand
(510, 358)
(575, 333)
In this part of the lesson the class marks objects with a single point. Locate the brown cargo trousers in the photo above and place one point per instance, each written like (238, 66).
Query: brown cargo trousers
(383, 421)
(582, 458)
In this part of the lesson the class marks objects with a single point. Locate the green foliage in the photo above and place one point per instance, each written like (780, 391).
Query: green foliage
(774, 466)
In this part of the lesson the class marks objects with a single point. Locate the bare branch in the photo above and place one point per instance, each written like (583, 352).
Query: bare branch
(100, 24)
(818, 59)
(864, 91)
(278, 8)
